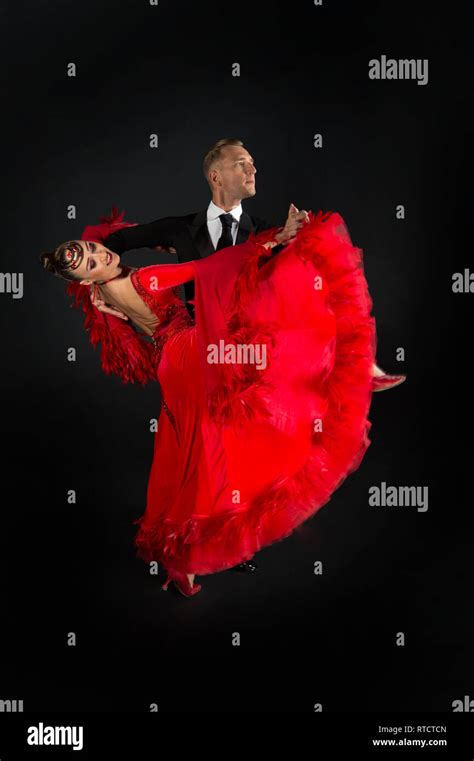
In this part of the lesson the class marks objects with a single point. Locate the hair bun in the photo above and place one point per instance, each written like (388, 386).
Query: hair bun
(47, 260)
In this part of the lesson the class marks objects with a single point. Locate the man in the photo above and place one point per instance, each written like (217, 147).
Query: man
(230, 171)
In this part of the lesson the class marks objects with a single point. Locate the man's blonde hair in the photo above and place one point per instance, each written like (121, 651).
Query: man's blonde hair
(214, 154)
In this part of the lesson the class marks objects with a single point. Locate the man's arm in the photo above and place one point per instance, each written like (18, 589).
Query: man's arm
(161, 232)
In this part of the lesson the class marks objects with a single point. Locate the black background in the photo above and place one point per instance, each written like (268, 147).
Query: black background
(84, 141)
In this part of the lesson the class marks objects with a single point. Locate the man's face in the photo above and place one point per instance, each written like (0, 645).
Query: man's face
(235, 172)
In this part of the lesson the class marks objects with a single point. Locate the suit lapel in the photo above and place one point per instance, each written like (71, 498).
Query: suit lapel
(245, 228)
(200, 235)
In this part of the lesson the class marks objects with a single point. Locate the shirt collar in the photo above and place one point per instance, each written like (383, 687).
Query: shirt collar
(213, 212)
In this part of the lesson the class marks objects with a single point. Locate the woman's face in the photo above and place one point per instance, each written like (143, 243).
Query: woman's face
(97, 262)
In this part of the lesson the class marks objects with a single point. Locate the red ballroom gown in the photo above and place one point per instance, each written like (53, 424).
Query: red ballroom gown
(248, 446)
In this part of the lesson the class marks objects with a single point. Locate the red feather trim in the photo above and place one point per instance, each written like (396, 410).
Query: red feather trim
(241, 395)
(124, 351)
(108, 226)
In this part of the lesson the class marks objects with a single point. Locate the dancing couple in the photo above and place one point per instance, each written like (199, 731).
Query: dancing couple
(266, 372)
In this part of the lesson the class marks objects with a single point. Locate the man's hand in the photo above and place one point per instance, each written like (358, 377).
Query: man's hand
(103, 307)
(164, 250)
(296, 219)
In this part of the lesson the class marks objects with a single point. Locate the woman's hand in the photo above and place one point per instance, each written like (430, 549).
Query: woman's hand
(295, 220)
(98, 302)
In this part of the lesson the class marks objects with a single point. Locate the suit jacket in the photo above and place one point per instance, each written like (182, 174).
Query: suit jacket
(188, 235)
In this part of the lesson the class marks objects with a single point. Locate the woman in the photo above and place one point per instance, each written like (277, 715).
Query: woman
(265, 395)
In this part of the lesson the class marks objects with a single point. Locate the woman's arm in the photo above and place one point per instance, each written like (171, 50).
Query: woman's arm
(159, 277)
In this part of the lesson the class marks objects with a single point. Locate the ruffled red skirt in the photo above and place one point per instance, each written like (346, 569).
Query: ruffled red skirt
(265, 398)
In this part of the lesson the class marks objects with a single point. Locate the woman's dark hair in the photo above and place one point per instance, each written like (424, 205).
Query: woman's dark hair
(57, 262)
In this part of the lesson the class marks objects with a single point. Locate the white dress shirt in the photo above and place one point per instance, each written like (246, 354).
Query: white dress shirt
(214, 224)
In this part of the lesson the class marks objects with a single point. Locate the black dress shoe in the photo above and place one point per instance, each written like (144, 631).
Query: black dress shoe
(249, 565)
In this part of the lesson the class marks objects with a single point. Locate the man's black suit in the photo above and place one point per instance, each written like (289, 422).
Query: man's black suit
(189, 235)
